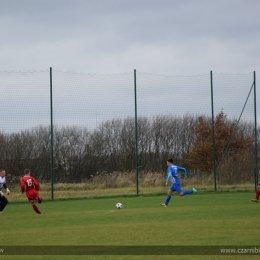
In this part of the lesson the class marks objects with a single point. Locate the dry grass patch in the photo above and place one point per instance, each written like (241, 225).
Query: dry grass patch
(124, 184)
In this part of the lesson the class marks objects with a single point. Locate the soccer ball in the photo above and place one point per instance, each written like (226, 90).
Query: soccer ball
(119, 205)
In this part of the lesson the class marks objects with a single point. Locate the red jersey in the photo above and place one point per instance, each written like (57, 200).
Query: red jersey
(28, 183)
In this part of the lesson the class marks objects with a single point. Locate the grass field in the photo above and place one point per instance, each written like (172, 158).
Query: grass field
(208, 219)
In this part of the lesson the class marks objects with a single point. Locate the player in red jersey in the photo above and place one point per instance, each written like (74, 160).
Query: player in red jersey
(31, 186)
(257, 193)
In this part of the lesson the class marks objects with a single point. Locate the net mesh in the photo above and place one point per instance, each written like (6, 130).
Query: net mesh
(94, 129)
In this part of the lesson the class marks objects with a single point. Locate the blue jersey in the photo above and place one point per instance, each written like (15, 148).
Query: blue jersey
(173, 173)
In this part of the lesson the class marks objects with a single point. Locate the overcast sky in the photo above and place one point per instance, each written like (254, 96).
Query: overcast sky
(169, 37)
(113, 36)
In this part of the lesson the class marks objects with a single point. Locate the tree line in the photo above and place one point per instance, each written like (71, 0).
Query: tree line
(80, 154)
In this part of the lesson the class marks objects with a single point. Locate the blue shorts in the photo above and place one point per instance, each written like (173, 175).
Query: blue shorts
(176, 187)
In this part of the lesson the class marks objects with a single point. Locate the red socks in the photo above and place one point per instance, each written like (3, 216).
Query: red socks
(35, 208)
(257, 194)
(40, 200)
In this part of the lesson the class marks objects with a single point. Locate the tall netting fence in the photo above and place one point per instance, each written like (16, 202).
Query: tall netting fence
(94, 134)
(85, 135)
(175, 121)
(25, 127)
(234, 129)
(168, 109)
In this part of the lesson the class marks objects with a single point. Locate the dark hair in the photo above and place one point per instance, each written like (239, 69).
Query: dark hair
(170, 160)
(26, 171)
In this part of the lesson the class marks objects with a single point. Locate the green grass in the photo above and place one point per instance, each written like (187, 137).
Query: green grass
(205, 220)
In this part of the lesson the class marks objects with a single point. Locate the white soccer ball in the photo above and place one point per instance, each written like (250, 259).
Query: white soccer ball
(119, 205)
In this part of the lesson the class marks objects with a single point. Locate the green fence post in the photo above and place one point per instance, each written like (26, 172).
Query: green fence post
(256, 141)
(51, 130)
(213, 133)
(136, 138)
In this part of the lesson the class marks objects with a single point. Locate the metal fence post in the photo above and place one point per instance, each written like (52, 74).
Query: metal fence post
(256, 141)
(213, 133)
(51, 132)
(136, 138)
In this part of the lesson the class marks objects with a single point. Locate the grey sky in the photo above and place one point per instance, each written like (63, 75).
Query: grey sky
(172, 37)
(111, 36)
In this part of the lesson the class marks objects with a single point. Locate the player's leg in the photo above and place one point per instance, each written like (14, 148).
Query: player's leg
(257, 194)
(193, 190)
(35, 208)
(32, 195)
(37, 196)
(3, 202)
(40, 200)
(168, 197)
(186, 192)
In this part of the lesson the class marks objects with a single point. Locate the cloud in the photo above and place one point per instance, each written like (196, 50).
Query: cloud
(166, 37)
(70, 34)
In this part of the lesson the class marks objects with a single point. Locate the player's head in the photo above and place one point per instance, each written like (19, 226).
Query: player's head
(169, 162)
(2, 172)
(27, 172)
(259, 183)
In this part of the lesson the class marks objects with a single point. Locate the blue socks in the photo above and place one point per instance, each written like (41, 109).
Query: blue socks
(187, 192)
(168, 198)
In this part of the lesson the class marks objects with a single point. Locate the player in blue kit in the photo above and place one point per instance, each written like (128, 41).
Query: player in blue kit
(176, 184)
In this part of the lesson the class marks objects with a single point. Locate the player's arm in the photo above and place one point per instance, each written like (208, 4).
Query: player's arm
(168, 178)
(7, 190)
(184, 171)
(22, 185)
(36, 184)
